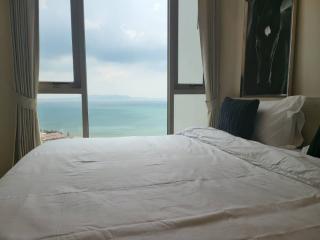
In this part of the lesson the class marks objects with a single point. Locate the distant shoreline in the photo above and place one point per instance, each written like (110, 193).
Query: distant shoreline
(109, 98)
(48, 135)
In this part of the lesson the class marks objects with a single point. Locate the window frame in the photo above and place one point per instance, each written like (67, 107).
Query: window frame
(174, 87)
(79, 84)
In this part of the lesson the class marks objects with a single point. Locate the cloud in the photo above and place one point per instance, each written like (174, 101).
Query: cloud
(142, 79)
(132, 79)
(135, 32)
(93, 25)
(126, 45)
(58, 69)
(132, 34)
(43, 4)
(156, 6)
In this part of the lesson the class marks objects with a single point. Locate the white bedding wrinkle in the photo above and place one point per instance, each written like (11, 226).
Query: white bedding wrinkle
(200, 184)
(291, 164)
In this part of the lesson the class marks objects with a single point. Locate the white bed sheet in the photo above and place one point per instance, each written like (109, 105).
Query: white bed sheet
(200, 184)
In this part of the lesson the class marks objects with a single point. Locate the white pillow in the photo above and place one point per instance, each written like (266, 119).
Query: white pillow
(279, 123)
(305, 149)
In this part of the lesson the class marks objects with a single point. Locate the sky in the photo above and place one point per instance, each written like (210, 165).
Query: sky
(126, 46)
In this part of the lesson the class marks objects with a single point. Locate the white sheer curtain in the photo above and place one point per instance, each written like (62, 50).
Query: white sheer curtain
(24, 18)
(209, 37)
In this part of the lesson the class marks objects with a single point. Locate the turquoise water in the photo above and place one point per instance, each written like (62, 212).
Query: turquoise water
(107, 117)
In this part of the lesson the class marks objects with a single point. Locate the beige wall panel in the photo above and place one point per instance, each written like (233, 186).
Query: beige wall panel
(307, 61)
(7, 107)
(231, 30)
(306, 74)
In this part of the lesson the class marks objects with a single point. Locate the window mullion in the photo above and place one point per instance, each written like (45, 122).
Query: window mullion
(172, 61)
(79, 58)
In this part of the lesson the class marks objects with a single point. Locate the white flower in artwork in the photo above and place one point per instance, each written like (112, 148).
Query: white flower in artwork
(267, 31)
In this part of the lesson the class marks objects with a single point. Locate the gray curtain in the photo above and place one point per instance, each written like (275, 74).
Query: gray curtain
(24, 18)
(208, 21)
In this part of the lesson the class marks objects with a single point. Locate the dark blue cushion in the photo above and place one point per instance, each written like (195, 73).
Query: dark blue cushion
(237, 117)
(314, 149)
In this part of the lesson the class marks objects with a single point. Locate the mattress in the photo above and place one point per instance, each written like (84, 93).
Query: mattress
(199, 184)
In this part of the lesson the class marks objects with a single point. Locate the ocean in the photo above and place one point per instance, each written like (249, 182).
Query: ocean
(108, 116)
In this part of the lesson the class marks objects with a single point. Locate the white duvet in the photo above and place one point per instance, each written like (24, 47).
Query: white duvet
(199, 184)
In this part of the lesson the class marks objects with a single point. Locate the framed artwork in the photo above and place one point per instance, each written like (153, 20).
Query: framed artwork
(268, 49)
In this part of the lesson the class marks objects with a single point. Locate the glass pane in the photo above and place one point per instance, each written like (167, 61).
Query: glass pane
(126, 117)
(126, 44)
(189, 51)
(190, 111)
(60, 116)
(56, 63)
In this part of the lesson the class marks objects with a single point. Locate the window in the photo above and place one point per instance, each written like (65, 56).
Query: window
(60, 116)
(62, 58)
(56, 63)
(123, 49)
(185, 81)
(185, 49)
(126, 49)
(101, 64)
(189, 50)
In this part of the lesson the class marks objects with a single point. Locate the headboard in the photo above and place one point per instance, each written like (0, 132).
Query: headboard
(311, 110)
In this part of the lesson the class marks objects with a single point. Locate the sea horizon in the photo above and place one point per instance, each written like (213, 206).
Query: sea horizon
(109, 115)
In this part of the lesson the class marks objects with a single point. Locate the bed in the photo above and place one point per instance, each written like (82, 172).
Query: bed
(202, 183)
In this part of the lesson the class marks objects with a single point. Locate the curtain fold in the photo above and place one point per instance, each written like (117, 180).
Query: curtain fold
(208, 22)
(24, 18)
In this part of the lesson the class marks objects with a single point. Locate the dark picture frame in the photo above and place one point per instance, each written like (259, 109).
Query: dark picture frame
(268, 50)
